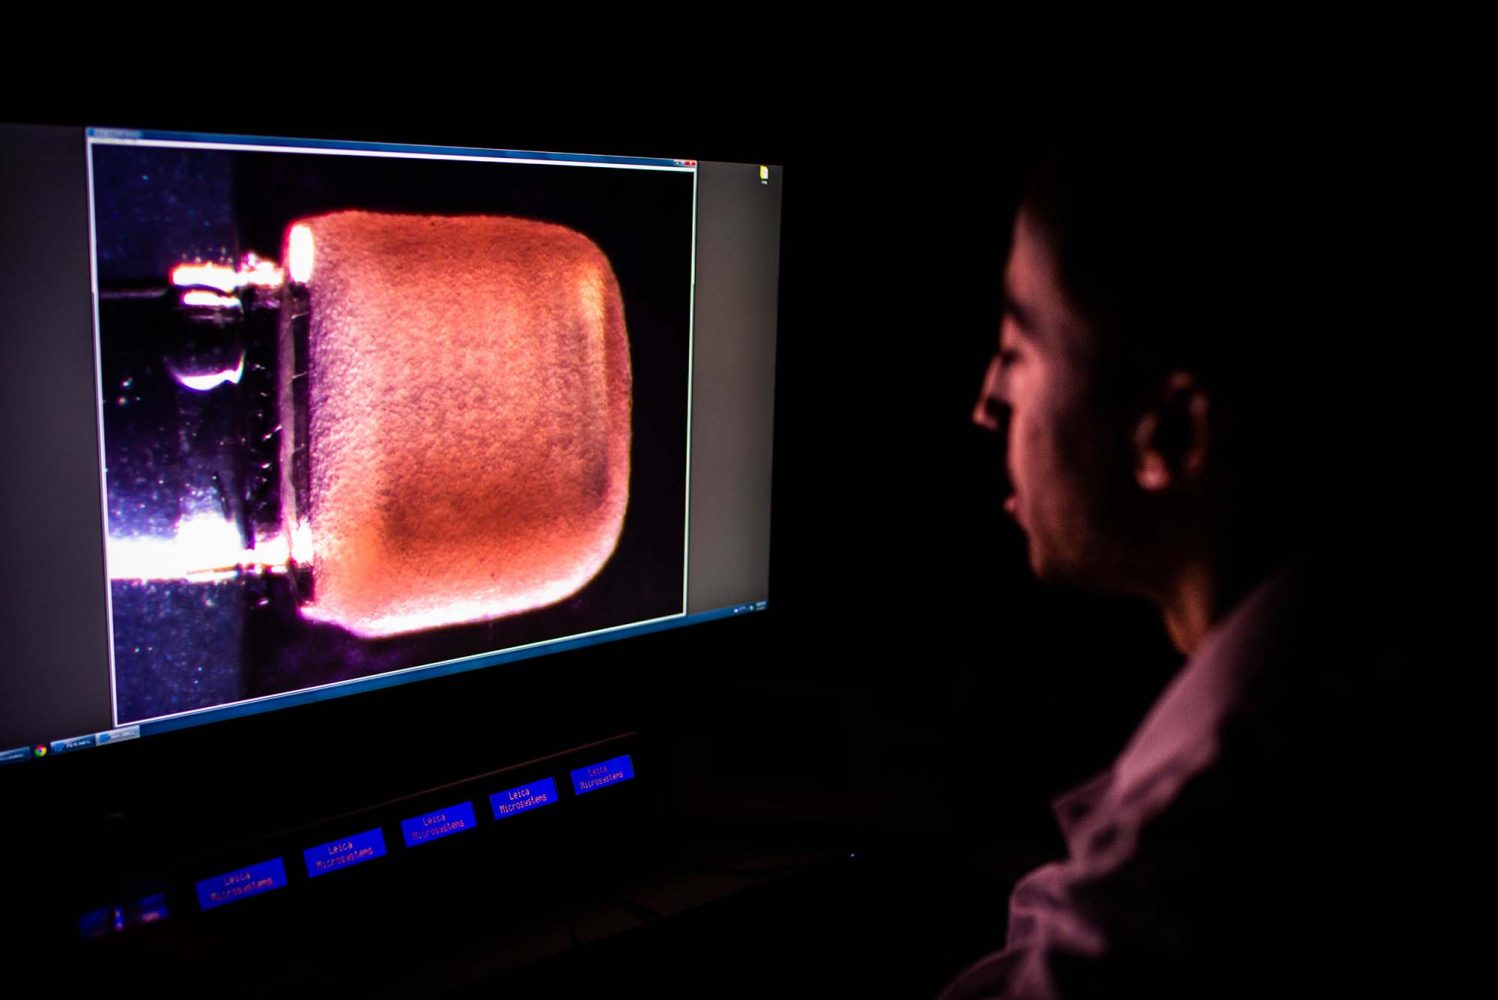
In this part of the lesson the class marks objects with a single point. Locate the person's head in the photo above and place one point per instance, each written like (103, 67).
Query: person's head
(1146, 360)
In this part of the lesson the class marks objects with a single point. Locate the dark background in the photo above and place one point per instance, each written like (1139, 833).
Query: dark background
(911, 689)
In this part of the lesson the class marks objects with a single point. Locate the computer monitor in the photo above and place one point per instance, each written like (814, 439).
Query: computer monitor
(342, 470)
(367, 413)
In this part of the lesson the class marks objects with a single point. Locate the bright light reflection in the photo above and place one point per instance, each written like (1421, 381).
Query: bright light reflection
(213, 300)
(252, 270)
(206, 547)
(263, 274)
(210, 380)
(299, 254)
(301, 543)
(207, 275)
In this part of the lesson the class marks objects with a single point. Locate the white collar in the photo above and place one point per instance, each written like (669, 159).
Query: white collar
(1183, 725)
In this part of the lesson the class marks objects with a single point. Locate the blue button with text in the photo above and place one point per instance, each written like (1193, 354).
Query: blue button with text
(344, 852)
(523, 797)
(241, 883)
(438, 824)
(596, 776)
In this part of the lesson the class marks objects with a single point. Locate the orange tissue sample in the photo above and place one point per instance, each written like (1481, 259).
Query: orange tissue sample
(468, 424)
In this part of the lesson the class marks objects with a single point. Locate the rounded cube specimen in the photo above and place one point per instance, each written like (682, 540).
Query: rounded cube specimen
(468, 417)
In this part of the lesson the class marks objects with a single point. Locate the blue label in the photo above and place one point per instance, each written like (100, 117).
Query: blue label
(152, 909)
(438, 824)
(241, 883)
(596, 776)
(101, 922)
(76, 743)
(522, 797)
(19, 753)
(113, 919)
(116, 735)
(344, 853)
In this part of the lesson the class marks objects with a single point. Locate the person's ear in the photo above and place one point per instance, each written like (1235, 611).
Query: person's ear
(1173, 436)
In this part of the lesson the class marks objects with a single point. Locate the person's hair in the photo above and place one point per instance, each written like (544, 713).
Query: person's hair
(1191, 256)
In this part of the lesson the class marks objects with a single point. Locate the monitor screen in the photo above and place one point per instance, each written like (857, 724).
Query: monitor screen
(297, 419)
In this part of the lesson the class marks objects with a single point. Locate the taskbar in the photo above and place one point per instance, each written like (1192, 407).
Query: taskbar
(50, 748)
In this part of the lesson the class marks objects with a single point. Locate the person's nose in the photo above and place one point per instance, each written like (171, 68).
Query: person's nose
(991, 409)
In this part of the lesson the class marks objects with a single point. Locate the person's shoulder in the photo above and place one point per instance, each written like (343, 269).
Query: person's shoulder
(1302, 841)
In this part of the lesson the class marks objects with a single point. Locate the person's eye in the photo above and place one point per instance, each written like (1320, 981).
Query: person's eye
(1008, 356)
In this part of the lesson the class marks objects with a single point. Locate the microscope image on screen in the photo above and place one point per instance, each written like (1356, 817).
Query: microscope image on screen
(363, 414)
(478, 470)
